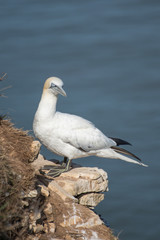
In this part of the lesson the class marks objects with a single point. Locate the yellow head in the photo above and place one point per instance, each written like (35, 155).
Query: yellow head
(54, 85)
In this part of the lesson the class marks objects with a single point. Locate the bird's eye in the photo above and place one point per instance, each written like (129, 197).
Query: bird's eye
(52, 85)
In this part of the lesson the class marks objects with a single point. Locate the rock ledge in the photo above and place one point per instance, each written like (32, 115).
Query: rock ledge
(69, 198)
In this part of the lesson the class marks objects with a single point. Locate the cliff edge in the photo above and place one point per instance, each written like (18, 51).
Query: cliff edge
(33, 207)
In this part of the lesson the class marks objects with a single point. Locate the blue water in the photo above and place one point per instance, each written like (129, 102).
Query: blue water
(108, 55)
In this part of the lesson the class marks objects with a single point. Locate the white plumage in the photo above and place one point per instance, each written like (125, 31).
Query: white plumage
(69, 135)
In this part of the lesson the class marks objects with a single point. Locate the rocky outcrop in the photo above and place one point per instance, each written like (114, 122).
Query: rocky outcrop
(34, 207)
(69, 198)
(85, 184)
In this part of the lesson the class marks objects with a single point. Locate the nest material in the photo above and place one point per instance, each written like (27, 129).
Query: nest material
(16, 176)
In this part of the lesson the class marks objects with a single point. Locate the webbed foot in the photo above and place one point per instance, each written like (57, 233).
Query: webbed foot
(55, 171)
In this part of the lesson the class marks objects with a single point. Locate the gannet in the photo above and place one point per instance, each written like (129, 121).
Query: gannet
(72, 136)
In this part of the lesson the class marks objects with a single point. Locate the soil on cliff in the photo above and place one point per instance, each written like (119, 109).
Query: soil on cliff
(24, 212)
(16, 177)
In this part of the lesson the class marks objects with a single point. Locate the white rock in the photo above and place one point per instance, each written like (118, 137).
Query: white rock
(44, 190)
(91, 199)
(32, 194)
(54, 187)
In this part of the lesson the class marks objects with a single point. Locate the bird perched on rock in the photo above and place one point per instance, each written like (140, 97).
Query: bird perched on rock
(72, 136)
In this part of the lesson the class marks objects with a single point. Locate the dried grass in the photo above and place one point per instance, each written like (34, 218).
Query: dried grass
(16, 176)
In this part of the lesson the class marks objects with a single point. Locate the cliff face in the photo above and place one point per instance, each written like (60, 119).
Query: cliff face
(66, 199)
(35, 207)
(16, 175)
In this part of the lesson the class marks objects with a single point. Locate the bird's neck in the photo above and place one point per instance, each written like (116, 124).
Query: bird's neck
(47, 106)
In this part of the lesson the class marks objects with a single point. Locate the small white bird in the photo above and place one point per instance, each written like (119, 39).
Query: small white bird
(69, 135)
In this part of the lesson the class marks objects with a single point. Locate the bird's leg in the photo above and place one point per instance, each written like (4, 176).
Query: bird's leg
(68, 164)
(65, 160)
(55, 171)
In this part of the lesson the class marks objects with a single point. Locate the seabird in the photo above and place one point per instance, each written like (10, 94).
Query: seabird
(72, 136)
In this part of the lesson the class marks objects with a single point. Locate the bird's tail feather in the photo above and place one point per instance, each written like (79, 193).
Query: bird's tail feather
(124, 151)
(115, 153)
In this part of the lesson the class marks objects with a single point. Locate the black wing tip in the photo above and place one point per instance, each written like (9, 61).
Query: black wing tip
(120, 141)
(124, 151)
